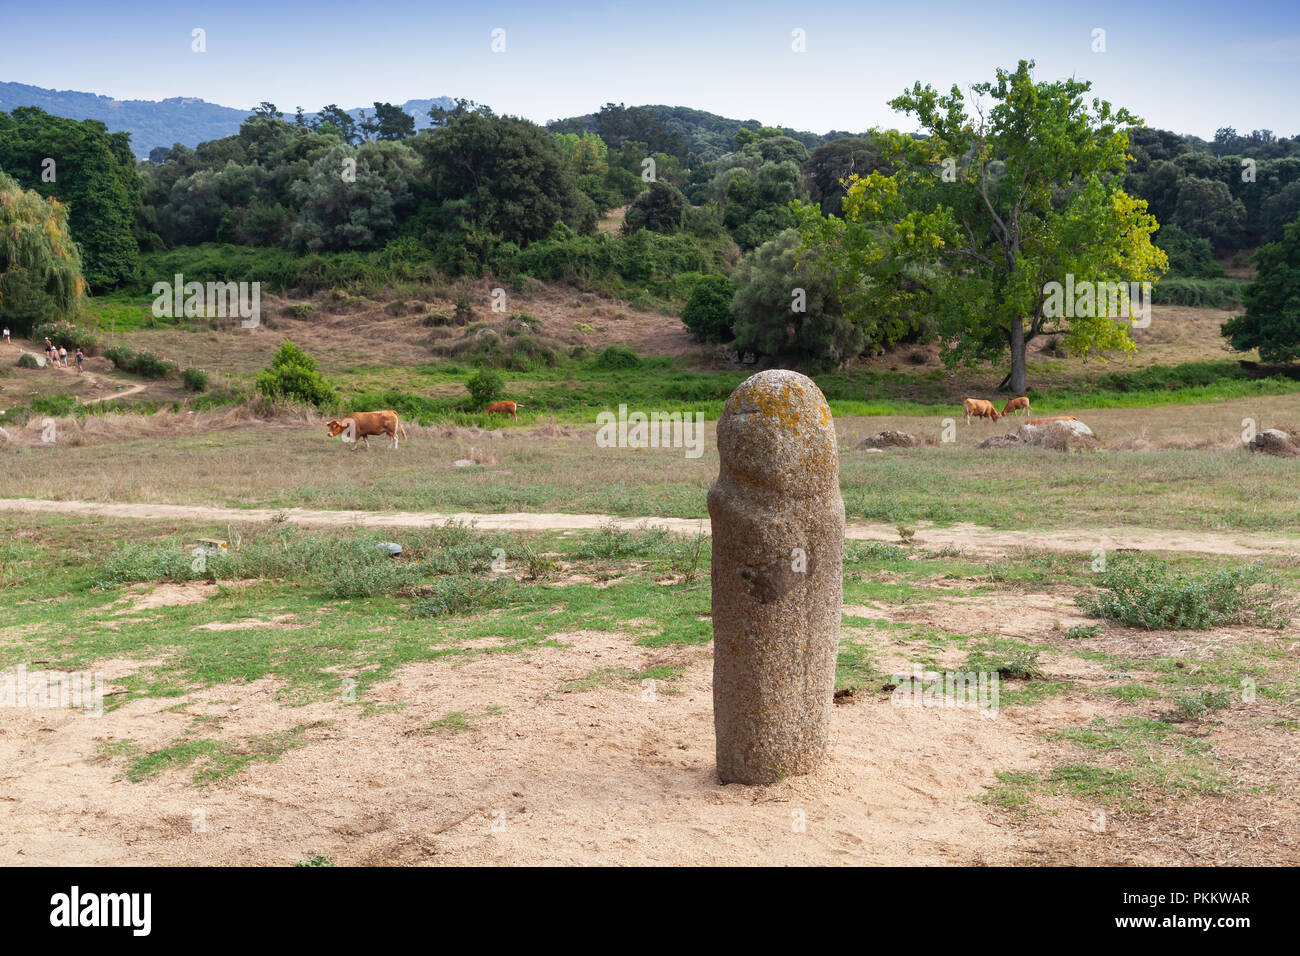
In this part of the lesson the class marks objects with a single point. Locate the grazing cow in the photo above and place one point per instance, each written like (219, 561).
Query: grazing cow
(979, 408)
(360, 425)
(1052, 418)
(504, 408)
(1014, 406)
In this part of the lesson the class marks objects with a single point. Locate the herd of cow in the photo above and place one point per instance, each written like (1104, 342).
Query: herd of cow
(979, 408)
(359, 426)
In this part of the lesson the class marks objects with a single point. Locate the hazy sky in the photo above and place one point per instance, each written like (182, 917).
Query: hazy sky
(1189, 66)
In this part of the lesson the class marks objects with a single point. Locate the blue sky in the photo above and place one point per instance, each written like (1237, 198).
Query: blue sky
(1187, 66)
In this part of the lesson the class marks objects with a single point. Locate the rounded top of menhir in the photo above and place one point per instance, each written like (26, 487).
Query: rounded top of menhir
(776, 431)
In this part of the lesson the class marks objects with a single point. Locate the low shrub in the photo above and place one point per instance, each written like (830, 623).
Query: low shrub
(67, 334)
(617, 357)
(707, 312)
(1146, 593)
(465, 595)
(53, 405)
(195, 379)
(485, 386)
(293, 375)
(1198, 293)
(139, 363)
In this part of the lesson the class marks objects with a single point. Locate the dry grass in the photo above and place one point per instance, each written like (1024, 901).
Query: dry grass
(71, 431)
(223, 459)
(368, 335)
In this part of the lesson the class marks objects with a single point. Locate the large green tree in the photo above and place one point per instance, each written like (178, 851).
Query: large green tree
(787, 307)
(1272, 320)
(502, 174)
(92, 172)
(999, 196)
(40, 268)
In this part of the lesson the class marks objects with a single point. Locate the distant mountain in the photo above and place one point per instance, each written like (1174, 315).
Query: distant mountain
(179, 119)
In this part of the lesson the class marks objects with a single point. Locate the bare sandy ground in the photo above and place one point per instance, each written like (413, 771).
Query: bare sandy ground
(966, 536)
(620, 773)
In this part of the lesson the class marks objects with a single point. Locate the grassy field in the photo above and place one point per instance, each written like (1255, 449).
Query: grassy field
(1193, 474)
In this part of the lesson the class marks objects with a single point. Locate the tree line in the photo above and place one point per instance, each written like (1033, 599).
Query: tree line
(947, 233)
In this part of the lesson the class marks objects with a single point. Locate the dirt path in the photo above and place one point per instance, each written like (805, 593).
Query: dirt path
(122, 394)
(968, 537)
(90, 379)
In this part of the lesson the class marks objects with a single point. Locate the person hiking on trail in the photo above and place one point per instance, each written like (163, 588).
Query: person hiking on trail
(80, 356)
(6, 335)
(63, 357)
(50, 354)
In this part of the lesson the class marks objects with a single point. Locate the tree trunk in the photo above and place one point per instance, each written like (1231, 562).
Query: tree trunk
(1018, 382)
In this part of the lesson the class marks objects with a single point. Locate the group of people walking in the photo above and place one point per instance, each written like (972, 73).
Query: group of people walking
(56, 356)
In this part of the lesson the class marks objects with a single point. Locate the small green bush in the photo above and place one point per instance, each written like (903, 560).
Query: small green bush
(618, 356)
(195, 379)
(464, 595)
(485, 386)
(293, 375)
(65, 333)
(1146, 593)
(707, 312)
(28, 360)
(1083, 631)
(1196, 706)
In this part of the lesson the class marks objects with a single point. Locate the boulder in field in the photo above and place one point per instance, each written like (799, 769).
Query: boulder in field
(889, 439)
(1058, 436)
(1274, 441)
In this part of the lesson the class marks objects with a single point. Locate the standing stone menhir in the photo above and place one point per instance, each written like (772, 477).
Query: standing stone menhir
(778, 548)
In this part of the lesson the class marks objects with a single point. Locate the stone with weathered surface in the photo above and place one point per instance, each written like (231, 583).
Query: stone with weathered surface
(778, 546)
(1274, 441)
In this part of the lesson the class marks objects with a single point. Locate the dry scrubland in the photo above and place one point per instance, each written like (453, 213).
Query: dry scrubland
(311, 699)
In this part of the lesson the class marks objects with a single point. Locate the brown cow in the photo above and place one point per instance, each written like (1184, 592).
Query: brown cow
(979, 408)
(504, 408)
(361, 425)
(1052, 418)
(1014, 406)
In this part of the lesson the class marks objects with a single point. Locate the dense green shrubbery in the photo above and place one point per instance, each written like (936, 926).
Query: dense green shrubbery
(707, 312)
(279, 269)
(1272, 320)
(1171, 377)
(1198, 293)
(617, 357)
(518, 353)
(465, 595)
(293, 375)
(607, 263)
(485, 387)
(762, 312)
(29, 360)
(56, 405)
(1143, 592)
(195, 379)
(139, 363)
(67, 334)
(1189, 257)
